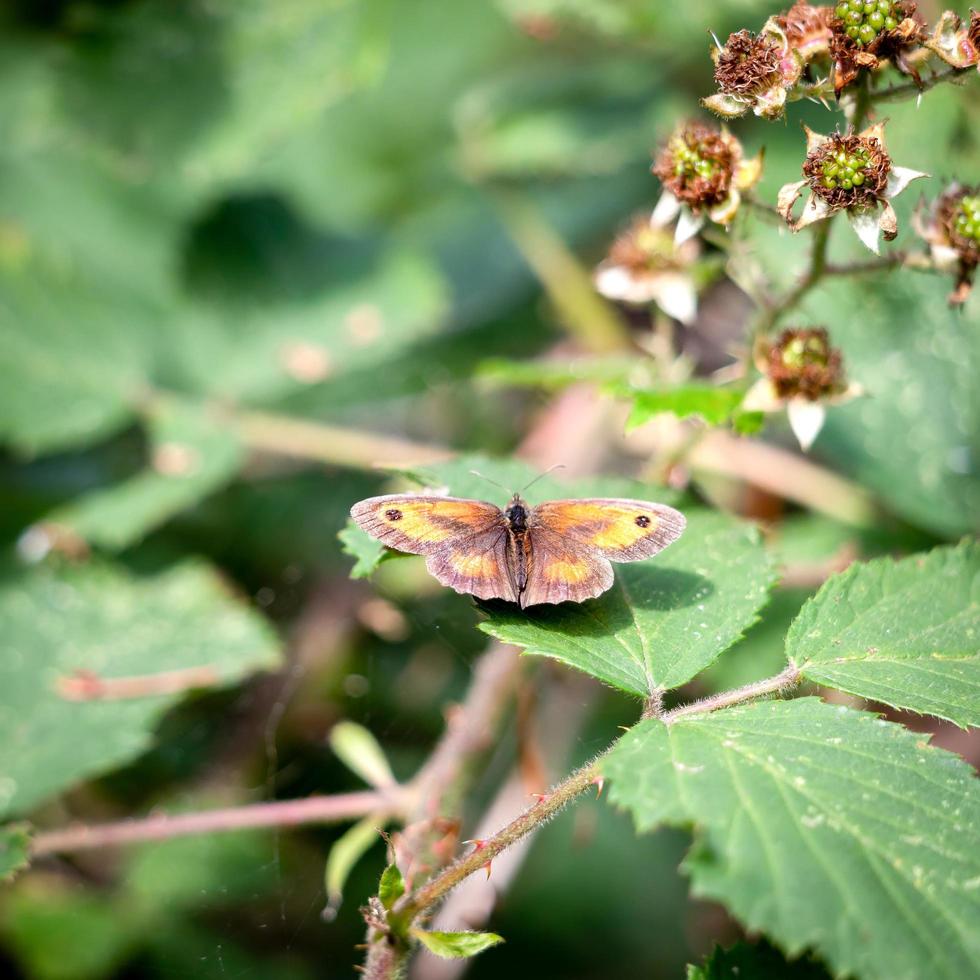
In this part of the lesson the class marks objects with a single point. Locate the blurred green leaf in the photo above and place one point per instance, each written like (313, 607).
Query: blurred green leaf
(392, 886)
(58, 931)
(15, 849)
(759, 961)
(664, 620)
(192, 450)
(714, 405)
(904, 633)
(359, 750)
(59, 620)
(913, 440)
(456, 945)
(346, 851)
(553, 375)
(820, 826)
(366, 552)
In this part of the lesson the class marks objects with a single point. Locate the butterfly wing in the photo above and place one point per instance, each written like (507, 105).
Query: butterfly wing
(620, 530)
(465, 541)
(573, 542)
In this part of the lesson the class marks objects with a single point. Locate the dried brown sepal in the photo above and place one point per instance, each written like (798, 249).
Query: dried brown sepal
(838, 193)
(698, 165)
(807, 28)
(801, 363)
(748, 64)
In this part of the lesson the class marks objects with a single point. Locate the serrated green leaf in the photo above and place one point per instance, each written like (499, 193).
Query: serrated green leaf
(456, 945)
(904, 633)
(346, 851)
(821, 826)
(359, 750)
(192, 453)
(391, 887)
(367, 553)
(15, 849)
(714, 405)
(758, 961)
(664, 620)
(61, 619)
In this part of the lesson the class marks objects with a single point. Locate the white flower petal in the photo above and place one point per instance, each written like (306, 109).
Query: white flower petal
(667, 208)
(616, 282)
(815, 209)
(806, 419)
(866, 225)
(688, 225)
(676, 296)
(762, 397)
(946, 258)
(899, 178)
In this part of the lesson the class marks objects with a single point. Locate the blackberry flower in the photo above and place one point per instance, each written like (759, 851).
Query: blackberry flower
(957, 43)
(868, 32)
(952, 229)
(703, 173)
(851, 173)
(644, 265)
(754, 71)
(802, 374)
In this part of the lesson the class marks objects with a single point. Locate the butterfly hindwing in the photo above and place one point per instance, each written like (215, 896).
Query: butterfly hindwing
(478, 565)
(619, 529)
(563, 570)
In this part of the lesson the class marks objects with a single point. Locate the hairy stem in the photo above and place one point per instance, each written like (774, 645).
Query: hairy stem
(544, 809)
(782, 681)
(898, 93)
(163, 826)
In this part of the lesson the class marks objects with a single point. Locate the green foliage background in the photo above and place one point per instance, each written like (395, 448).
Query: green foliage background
(214, 213)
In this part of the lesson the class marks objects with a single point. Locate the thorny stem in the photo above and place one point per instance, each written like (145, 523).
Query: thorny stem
(897, 93)
(782, 681)
(544, 809)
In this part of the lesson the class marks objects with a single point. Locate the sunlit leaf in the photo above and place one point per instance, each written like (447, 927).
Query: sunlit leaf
(714, 405)
(904, 633)
(456, 945)
(822, 827)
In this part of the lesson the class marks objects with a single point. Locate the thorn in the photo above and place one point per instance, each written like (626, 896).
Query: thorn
(478, 846)
(714, 37)
(599, 782)
(540, 797)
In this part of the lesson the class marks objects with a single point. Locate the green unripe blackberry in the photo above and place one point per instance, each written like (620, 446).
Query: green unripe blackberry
(844, 169)
(864, 20)
(967, 219)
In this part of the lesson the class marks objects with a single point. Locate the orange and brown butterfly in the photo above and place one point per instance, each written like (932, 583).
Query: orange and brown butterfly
(556, 552)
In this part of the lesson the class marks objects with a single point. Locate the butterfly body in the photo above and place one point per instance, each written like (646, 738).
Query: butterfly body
(558, 551)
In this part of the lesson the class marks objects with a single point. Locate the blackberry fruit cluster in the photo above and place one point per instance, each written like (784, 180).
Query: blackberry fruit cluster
(864, 20)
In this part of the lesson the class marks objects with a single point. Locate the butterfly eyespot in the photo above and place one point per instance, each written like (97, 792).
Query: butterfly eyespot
(393, 514)
(642, 521)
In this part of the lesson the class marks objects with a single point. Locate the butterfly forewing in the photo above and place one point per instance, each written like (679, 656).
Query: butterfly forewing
(465, 541)
(619, 529)
(422, 524)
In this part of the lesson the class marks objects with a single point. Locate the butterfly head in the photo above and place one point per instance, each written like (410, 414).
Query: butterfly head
(516, 514)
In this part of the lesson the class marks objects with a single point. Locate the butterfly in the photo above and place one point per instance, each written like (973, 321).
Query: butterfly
(556, 552)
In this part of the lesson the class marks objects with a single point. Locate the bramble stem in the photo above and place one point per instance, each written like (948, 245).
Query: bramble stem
(544, 809)
(163, 826)
(782, 681)
(896, 93)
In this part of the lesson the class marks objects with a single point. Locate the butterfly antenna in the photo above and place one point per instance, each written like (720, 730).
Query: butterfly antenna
(487, 478)
(541, 476)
